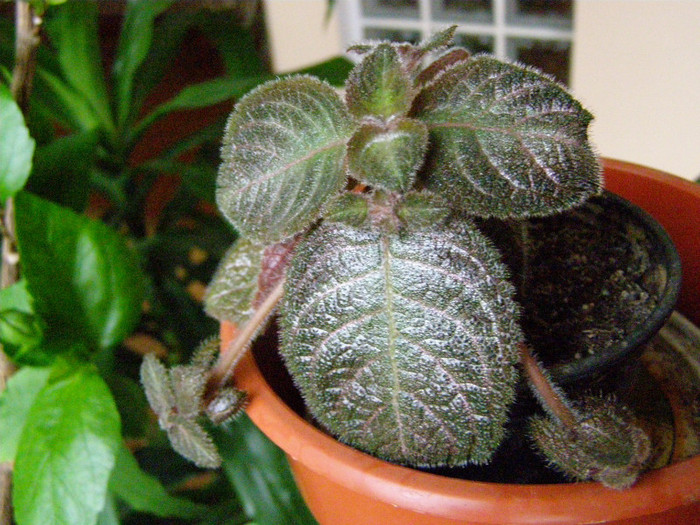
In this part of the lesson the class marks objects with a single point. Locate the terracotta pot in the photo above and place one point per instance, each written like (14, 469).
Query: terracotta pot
(344, 486)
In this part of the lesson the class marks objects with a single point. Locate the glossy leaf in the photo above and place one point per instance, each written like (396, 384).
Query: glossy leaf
(85, 280)
(388, 157)
(403, 345)
(65, 103)
(282, 154)
(134, 44)
(16, 147)
(260, 475)
(506, 141)
(379, 86)
(15, 403)
(73, 29)
(144, 493)
(67, 450)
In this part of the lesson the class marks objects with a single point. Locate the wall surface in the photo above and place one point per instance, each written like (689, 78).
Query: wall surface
(636, 66)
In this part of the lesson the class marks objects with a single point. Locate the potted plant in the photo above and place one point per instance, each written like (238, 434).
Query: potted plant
(398, 321)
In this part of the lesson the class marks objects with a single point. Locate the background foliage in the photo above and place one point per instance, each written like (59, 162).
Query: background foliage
(117, 238)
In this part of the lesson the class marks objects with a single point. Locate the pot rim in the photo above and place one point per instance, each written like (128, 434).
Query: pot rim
(655, 492)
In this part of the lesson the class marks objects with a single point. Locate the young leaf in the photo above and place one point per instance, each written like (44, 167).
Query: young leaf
(605, 445)
(422, 210)
(84, 278)
(349, 208)
(16, 147)
(157, 385)
(379, 86)
(403, 345)
(283, 154)
(15, 402)
(190, 440)
(144, 493)
(388, 158)
(506, 141)
(66, 451)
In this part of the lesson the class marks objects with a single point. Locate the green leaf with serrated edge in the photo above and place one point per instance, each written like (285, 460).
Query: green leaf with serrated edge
(144, 493)
(421, 210)
(85, 280)
(231, 293)
(15, 402)
(348, 208)
(188, 384)
(134, 44)
(16, 147)
(379, 86)
(388, 157)
(282, 153)
(191, 441)
(404, 345)
(605, 445)
(506, 141)
(157, 385)
(438, 40)
(67, 450)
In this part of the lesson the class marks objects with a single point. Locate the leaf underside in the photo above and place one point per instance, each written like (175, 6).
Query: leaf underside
(282, 154)
(506, 141)
(403, 345)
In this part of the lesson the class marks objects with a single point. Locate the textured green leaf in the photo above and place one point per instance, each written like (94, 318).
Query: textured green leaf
(16, 147)
(85, 280)
(15, 402)
(379, 86)
(349, 208)
(388, 157)
(283, 157)
(67, 450)
(506, 141)
(144, 493)
(260, 475)
(134, 43)
(233, 288)
(438, 40)
(73, 30)
(422, 210)
(403, 345)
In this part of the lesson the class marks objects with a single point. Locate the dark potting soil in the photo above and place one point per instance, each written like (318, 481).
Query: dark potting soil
(585, 278)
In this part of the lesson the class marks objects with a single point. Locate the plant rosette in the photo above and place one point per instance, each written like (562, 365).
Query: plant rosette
(333, 476)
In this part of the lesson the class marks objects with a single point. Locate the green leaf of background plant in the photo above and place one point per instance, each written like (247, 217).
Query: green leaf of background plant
(85, 280)
(15, 403)
(73, 30)
(403, 345)
(506, 141)
(67, 450)
(134, 44)
(16, 147)
(260, 474)
(62, 169)
(282, 157)
(63, 102)
(144, 493)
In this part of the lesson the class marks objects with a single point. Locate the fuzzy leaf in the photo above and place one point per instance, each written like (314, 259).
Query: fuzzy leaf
(379, 86)
(190, 440)
(403, 345)
(605, 445)
(388, 158)
(421, 210)
(188, 384)
(157, 385)
(438, 40)
(283, 154)
(349, 208)
(506, 141)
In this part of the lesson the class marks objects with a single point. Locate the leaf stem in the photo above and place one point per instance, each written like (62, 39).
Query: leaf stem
(230, 356)
(547, 393)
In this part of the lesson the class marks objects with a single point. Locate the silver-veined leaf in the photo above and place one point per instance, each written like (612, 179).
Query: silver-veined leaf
(403, 345)
(283, 153)
(506, 141)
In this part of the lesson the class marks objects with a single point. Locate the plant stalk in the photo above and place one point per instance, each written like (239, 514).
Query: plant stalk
(546, 392)
(27, 26)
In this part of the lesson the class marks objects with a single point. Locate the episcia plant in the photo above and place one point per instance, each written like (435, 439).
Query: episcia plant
(397, 319)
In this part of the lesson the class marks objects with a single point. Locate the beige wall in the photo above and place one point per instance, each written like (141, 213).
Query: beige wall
(300, 35)
(636, 66)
